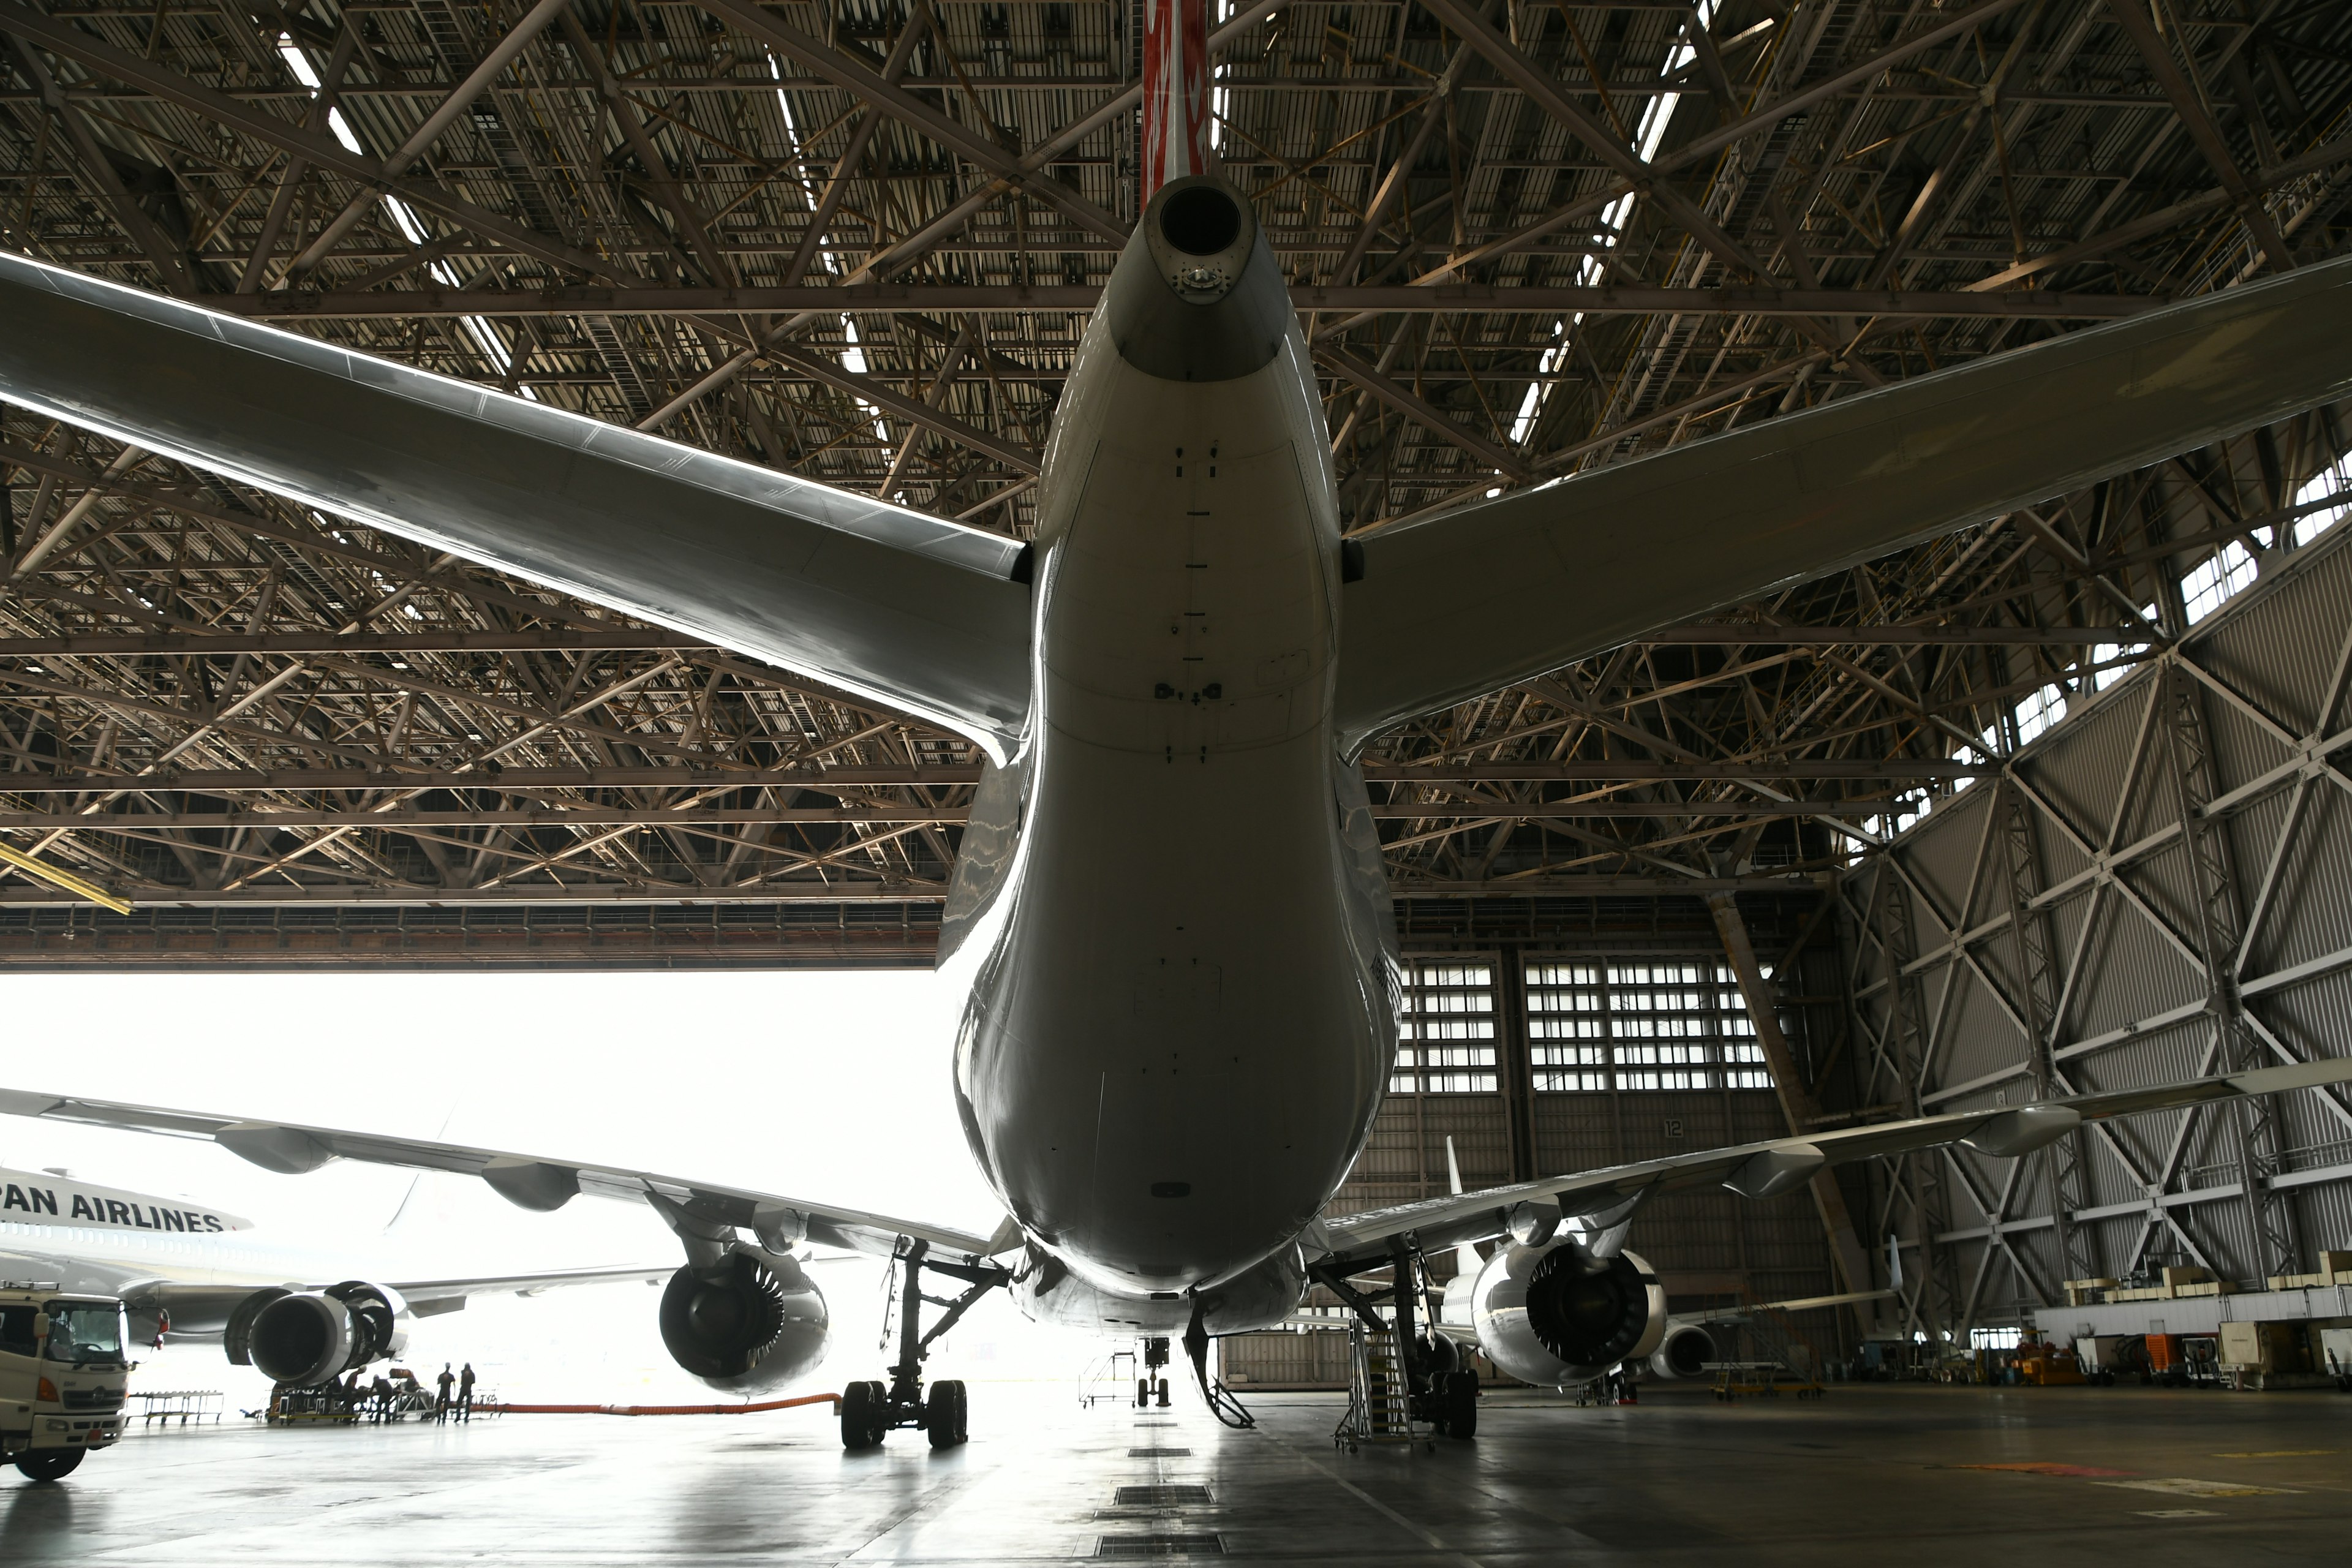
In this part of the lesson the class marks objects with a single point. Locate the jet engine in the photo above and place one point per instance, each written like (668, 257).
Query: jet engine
(1683, 1353)
(306, 1338)
(1557, 1315)
(753, 1320)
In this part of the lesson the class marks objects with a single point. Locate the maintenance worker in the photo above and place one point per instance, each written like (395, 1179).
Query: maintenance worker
(441, 1401)
(465, 1393)
(381, 1389)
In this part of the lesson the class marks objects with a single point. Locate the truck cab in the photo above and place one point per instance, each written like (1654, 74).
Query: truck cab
(64, 1364)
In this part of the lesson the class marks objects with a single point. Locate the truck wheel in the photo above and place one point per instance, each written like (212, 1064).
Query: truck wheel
(49, 1464)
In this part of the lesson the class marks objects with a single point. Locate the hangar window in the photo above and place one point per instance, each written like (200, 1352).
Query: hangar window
(1638, 1024)
(2209, 585)
(1567, 1032)
(2333, 480)
(1446, 1042)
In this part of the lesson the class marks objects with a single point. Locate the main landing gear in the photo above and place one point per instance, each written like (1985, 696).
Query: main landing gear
(1441, 1389)
(1154, 1380)
(869, 1410)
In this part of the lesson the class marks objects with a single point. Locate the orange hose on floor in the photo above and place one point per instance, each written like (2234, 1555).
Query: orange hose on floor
(831, 1399)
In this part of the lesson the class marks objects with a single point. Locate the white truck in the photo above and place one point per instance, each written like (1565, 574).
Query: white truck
(63, 1363)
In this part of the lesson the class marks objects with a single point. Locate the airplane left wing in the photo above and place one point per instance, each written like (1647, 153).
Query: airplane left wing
(529, 1181)
(1779, 1166)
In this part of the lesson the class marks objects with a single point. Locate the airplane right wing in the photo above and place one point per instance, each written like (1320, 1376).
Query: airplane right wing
(197, 1309)
(907, 610)
(1778, 1165)
(1466, 602)
(529, 1181)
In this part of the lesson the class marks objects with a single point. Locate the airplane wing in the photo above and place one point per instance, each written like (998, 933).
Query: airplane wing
(1801, 1304)
(1782, 1164)
(197, 1310)
(1461, 603)
(426, 1298)
(528, 1181)
(905, 609)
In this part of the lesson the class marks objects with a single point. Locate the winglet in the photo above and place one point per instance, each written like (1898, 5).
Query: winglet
(2301, 1075)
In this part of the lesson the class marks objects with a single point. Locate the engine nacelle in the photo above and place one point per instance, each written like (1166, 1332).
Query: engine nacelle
(306, 1338)
(754, 1321)
(1683, 1353)
(1556, 1315)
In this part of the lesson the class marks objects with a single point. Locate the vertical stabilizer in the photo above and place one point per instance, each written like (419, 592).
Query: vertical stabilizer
(1175, 91)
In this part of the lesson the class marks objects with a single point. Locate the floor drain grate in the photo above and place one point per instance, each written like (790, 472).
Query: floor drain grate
(1160, 1453)
(1159, 1546)
(1160, 1497)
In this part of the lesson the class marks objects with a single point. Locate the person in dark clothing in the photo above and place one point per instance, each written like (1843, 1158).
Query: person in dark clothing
(465, 1393)
(441, 1401)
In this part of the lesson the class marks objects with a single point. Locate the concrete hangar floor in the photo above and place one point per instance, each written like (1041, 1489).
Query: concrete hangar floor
(1869, 1476)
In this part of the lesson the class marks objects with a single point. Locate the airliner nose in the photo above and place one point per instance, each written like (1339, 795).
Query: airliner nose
(1197, 296)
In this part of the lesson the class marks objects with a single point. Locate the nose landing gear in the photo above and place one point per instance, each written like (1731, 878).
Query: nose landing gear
(870, 1410)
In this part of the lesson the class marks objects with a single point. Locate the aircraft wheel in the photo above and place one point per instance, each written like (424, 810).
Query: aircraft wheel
(861, 1415)
(1143, 1392)
(1163, 1394)
(944, 1413)
(1461, 1403)
(48, 1464)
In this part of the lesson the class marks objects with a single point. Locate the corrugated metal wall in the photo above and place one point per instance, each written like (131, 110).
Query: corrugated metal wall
(2160, 887)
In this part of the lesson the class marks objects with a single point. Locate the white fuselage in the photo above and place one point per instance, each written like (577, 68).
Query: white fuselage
(108, 1241)
(1183, 996)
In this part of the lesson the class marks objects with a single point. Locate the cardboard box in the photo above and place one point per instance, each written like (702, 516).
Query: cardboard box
(2185, 1274)
(2295, 1281)
(2335, 1267)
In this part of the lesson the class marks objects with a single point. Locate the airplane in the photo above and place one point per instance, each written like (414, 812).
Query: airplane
(185, 1269)
(1170, 908)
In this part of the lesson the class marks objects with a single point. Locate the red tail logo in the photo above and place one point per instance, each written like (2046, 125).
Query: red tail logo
(1175, 91)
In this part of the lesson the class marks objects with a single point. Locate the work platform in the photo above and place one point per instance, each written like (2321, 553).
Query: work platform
(1871, 1474)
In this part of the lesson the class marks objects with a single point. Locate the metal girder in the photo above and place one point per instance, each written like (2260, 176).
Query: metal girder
(129, 644)
(2042, 993)
(1411, 404)
(1797, 1104)
(688, 775)
(314, 145)
(877, 90)
(2217, 931)
(947, 298)
(193, 636)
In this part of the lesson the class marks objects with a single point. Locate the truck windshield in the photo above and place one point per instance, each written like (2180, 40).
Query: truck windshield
(85, 1330)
